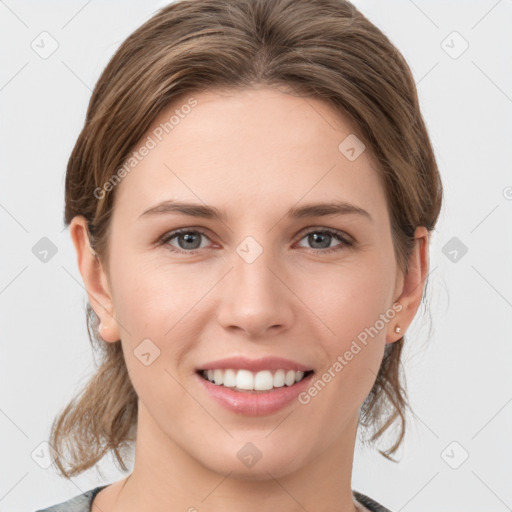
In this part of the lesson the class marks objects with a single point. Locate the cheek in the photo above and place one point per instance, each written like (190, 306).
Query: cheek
(355, 305)
(150, 301)
(158, 309)
(352, 299)
(153, 308)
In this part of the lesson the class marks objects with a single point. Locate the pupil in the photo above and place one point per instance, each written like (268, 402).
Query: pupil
(324, 236)
(189, 238)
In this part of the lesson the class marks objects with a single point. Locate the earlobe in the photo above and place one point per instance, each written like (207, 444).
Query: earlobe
(412, 286)
(95, 279)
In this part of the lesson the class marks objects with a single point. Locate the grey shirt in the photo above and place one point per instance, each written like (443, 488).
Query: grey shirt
(83, 502)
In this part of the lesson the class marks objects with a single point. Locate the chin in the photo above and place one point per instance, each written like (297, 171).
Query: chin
(251, 464)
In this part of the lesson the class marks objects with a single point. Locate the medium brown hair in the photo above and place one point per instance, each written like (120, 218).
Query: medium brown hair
(323, 49)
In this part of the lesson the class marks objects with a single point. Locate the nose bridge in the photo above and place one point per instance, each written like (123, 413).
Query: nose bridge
(254, 299)
(251, 269)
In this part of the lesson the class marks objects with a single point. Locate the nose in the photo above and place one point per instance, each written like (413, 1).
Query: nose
(255, 298)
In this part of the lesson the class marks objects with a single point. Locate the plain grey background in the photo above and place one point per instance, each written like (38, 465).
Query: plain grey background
(458, 450)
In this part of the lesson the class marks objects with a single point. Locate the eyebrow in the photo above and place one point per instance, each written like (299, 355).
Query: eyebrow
(299, 212)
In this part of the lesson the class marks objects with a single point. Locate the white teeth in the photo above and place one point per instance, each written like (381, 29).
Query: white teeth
(258, 381)
(279, 379)
(229, 378)
(244, 379)
(264, 380)
(290, 378)
(218, 376)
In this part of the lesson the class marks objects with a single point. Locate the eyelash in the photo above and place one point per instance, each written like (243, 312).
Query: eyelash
(345, 242)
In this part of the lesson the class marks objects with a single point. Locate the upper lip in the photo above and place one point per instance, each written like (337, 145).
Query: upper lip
(254, 365)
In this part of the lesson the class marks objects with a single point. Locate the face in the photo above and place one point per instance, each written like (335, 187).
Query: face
(268, 287)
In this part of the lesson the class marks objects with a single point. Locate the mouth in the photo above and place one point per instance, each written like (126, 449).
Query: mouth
(254, 387)
(247, 381)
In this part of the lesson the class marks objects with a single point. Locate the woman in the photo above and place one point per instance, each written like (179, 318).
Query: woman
(283, 142)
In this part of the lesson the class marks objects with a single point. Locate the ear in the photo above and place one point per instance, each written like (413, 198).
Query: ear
(410, 286)
(95, 279)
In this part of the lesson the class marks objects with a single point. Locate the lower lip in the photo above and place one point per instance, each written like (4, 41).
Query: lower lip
(252, 403)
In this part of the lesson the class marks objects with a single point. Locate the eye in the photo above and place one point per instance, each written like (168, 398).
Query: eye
(188, 240)
(322, 238)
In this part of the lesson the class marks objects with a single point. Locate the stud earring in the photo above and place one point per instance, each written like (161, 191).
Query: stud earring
(398, 329)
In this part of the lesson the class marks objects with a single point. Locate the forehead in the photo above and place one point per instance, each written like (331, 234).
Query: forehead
(246, 149)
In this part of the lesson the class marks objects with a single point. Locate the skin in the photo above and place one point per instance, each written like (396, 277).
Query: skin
(253, 154)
